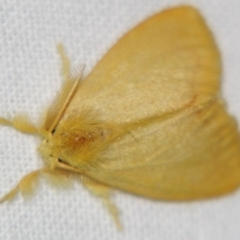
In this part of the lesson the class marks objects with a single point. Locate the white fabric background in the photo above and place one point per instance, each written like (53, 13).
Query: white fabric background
(30, 77)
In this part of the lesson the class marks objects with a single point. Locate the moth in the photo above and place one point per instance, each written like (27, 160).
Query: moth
(149, 119)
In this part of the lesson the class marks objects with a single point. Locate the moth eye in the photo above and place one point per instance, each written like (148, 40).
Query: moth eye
(60, 160)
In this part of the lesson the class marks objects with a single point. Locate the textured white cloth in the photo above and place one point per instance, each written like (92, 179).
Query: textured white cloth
(29, 79)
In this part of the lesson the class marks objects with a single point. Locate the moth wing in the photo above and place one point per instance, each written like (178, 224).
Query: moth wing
(193, 154)
(160, 83)
(161, 65)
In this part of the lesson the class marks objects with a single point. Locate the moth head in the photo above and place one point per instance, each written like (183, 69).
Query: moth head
(53, 148)
(48, 152)
(76, 141)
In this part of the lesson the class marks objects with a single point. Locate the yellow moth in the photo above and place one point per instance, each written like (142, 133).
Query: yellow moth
(149, 119)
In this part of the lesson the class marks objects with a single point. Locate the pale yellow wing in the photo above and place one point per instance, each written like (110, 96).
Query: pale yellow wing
(194, 154)
(164, 63)
(160, 86)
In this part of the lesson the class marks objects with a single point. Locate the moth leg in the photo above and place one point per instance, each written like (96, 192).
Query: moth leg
(21, 123)
(66, 66)
(58, 178)
(26, 186)
(104, 193)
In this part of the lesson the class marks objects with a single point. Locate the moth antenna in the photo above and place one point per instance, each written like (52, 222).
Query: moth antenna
(66, 66)
(66, 93)
(66, 96)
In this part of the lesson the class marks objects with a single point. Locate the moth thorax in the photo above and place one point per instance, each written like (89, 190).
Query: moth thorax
(78, 145)
(81, 138)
